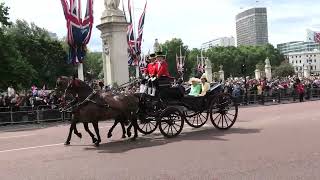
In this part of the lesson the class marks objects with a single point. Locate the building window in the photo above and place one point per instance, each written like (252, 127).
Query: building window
(307, 55)
(315, 61)
(311, 67)
(300, 56)
(296, 56)
(300, 61)
(315, 67)
(300, 68)
(296, 62)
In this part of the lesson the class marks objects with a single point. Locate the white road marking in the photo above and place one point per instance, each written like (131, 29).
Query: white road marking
(9, 137)
(51, 145)
(34, 147)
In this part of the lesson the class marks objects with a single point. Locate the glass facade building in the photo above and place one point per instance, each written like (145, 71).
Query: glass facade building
(297, 46)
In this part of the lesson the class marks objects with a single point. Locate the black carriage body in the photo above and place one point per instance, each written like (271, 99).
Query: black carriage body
(173, 101)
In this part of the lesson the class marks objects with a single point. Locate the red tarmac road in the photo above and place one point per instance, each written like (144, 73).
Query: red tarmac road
(275, 142)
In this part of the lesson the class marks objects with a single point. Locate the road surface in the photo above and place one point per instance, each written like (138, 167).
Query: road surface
(273, 142)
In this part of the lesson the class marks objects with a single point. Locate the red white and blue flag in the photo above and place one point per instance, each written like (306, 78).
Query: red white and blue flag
(134, 44)
(140, 30)
(79, 31)
(317, 37)
(143, 64)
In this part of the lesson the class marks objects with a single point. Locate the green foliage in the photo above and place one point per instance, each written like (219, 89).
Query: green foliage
(4, 15)
(284, 70)
(28, 55)
(171, 49)
(233, 57)
(93, 63)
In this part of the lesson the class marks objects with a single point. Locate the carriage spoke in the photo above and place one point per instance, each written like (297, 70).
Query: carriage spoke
(168, 129)
(143, 125)
(222, 118)
(149, 126)
(197, 119)
(229, 119)
(172, 131)
(175, 127)
(219, 119)
(216, 117)
(226, 120)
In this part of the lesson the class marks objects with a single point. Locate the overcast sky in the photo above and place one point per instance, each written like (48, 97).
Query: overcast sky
(194, 21)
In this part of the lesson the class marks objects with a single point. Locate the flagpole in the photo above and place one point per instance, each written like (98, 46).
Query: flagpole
(80, 72)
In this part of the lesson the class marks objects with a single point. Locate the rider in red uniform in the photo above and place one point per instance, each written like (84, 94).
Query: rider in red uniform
(163, 74)
(151, 72)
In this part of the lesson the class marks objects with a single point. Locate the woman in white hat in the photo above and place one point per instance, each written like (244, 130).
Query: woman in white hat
(195, 87)
(205, 86)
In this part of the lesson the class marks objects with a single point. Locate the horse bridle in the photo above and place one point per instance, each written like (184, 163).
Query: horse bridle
(87, 99)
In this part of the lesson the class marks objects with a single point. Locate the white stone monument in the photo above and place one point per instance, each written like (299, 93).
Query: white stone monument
(257, 73)
(306, 72)
(221, 73)
(208, 70)
(113, 29)
(267, 69)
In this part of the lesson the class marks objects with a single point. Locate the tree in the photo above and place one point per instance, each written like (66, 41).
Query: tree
(171, 49)
(93, 63)
(45, 55)
(284, 70)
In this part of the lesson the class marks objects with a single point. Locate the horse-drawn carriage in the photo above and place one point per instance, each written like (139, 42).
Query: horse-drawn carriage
(168, 110)
(171, 107)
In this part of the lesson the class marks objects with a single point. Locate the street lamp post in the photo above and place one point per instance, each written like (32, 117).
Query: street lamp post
(310, 61)
(243, 71)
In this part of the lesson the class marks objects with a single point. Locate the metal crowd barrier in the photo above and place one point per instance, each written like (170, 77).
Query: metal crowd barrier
(27, 114)
(280, 96)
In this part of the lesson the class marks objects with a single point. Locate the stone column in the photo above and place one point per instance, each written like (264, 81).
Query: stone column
(221, 73)
(257, 73)
(208, 70)
(306, 72)
(113, 29)
(267, 68)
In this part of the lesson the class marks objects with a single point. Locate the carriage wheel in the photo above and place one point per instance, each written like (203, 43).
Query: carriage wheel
(172, 121)
(223, 111)
(196, 120)
(147, 125)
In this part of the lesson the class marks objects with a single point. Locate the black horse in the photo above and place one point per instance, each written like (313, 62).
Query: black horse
(92, 107)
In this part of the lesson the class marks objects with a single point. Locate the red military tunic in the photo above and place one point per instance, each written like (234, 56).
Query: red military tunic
(162, 68)
(151, 69)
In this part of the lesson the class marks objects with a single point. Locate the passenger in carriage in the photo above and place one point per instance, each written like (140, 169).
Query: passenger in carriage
(205, 86)
(195, 87)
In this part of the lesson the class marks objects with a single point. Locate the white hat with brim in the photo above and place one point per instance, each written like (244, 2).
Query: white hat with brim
(194, 80)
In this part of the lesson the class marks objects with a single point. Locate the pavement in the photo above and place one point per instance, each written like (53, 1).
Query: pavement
(275, 142)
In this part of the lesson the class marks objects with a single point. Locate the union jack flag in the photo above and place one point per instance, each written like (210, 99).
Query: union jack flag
(317, 37)
(79, 31)
(132, 55)
(143, 64)
(140, 30)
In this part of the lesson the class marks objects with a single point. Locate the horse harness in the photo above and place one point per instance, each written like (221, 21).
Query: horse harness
(76, 106)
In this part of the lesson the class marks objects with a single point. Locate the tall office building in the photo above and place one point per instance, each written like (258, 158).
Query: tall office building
(252, 27)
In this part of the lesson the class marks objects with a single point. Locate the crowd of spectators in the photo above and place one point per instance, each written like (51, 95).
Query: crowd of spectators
(290, 86)
(32, 97)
